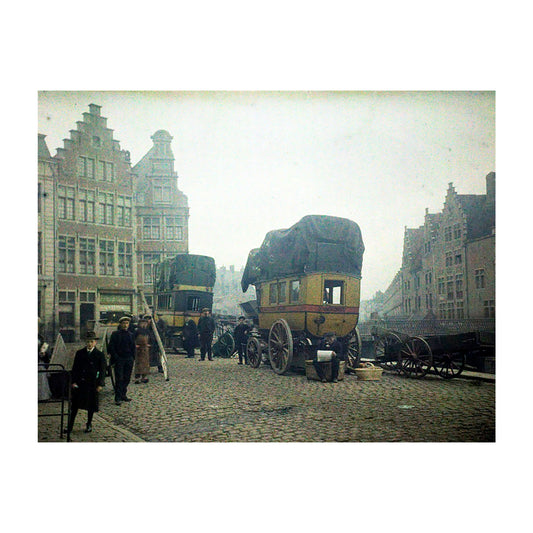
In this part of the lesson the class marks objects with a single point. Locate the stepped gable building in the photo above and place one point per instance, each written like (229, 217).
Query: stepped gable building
(162, 210)
(95, 271)
(46, 252)
(448, 265)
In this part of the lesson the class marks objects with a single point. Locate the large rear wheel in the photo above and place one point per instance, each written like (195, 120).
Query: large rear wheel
(253, 352)
(280, 346)
(353, 350)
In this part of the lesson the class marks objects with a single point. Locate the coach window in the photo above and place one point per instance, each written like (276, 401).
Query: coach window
(295, 290)
(273, 289)
(333, 292)
(282, 289)
(193, 303)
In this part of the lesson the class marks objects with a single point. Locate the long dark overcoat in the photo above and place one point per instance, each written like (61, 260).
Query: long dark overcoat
(88, 372)
(190, 335)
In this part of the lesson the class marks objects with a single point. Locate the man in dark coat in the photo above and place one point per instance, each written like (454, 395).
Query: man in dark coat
(240, 334)
(206, 328)
(190, 336)
(122, 355)
(88, 378)
(329, 343)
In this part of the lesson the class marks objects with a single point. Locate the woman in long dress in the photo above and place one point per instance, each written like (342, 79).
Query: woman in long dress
(142, 354)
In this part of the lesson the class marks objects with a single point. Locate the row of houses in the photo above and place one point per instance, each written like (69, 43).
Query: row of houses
(103, 224)
(448, 264)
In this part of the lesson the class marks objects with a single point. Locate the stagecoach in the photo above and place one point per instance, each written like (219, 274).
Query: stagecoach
(307, 280)
(183, 285)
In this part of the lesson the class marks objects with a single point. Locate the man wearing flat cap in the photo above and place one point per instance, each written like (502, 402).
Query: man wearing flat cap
(206, 329)
(88, 378)
(122, 355)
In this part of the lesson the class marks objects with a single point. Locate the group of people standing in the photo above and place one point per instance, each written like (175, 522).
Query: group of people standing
(129, 349)
(199, 336)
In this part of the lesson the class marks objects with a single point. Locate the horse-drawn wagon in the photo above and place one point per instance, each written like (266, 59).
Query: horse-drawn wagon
(307, 281)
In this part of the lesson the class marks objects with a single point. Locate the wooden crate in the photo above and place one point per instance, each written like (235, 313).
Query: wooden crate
(311, 374)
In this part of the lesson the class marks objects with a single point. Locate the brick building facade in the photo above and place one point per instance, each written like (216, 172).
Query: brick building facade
(448, 264)
(99, 222)
(162, 210)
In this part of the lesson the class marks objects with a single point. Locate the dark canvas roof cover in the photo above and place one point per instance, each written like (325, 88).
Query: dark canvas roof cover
(185, 269)
(315, 243)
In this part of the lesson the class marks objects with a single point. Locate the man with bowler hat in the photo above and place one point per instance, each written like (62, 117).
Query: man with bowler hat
(88, 378)
(206, 328)
(122, 355)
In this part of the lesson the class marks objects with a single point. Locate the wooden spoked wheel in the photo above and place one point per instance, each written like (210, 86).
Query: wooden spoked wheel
(385, 354)
(353, 350)
(416, 358)
(450, 365)
(253, 352)
(225, 345)
(280, 346)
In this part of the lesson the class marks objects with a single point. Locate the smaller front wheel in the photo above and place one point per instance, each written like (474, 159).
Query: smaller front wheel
(253, 352)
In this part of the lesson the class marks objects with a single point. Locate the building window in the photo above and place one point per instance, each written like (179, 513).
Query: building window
(162, 194)
(489, 309)
(96, 141)
(151, 228)
(87, 203)
(39, 197)
(447, 233)
(458, 258)
(449, 259)
(480, 278)
(427, 247)
(457, 231)
(173, 232)
(273, 290)
(124, 258)
(65, 202)
(149, 262)
(66, 255)
(105, 211)
(449, 288)
(460, 312)
(295, 291)
(441, 286)
(450, 311)
(67, 299)
(459, 286)
(429, 301)
(86, 167)
(39, 252)
(164, 301)
(107, 258)
(442, 310)
(87, 297)
(87, 255)
(124, 211)
(107, 171)
(333, 292)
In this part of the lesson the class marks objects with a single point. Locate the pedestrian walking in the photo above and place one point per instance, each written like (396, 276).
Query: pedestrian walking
(206, 328)
(155, 354)
(240, 334)
(88, 379)
(142, 352)
(190, 336)
(329, 343)
(122, 355)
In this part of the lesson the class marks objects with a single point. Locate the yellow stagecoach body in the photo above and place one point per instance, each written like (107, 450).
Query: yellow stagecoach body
(307, 281)
(183, 286)
(316, 303)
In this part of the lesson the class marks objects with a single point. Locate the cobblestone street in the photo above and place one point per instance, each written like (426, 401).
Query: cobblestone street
(221, 401)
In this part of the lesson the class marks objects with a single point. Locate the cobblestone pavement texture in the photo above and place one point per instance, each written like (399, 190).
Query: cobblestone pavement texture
(221, 401)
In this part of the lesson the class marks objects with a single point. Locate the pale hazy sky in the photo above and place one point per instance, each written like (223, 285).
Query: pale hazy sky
(250, 162)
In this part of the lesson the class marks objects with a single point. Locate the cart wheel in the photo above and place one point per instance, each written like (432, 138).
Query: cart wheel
(450, 365)
(385, 357)
(280, 346)
(353, 351)
(253, 352)
(225, 345)
(416, 358)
